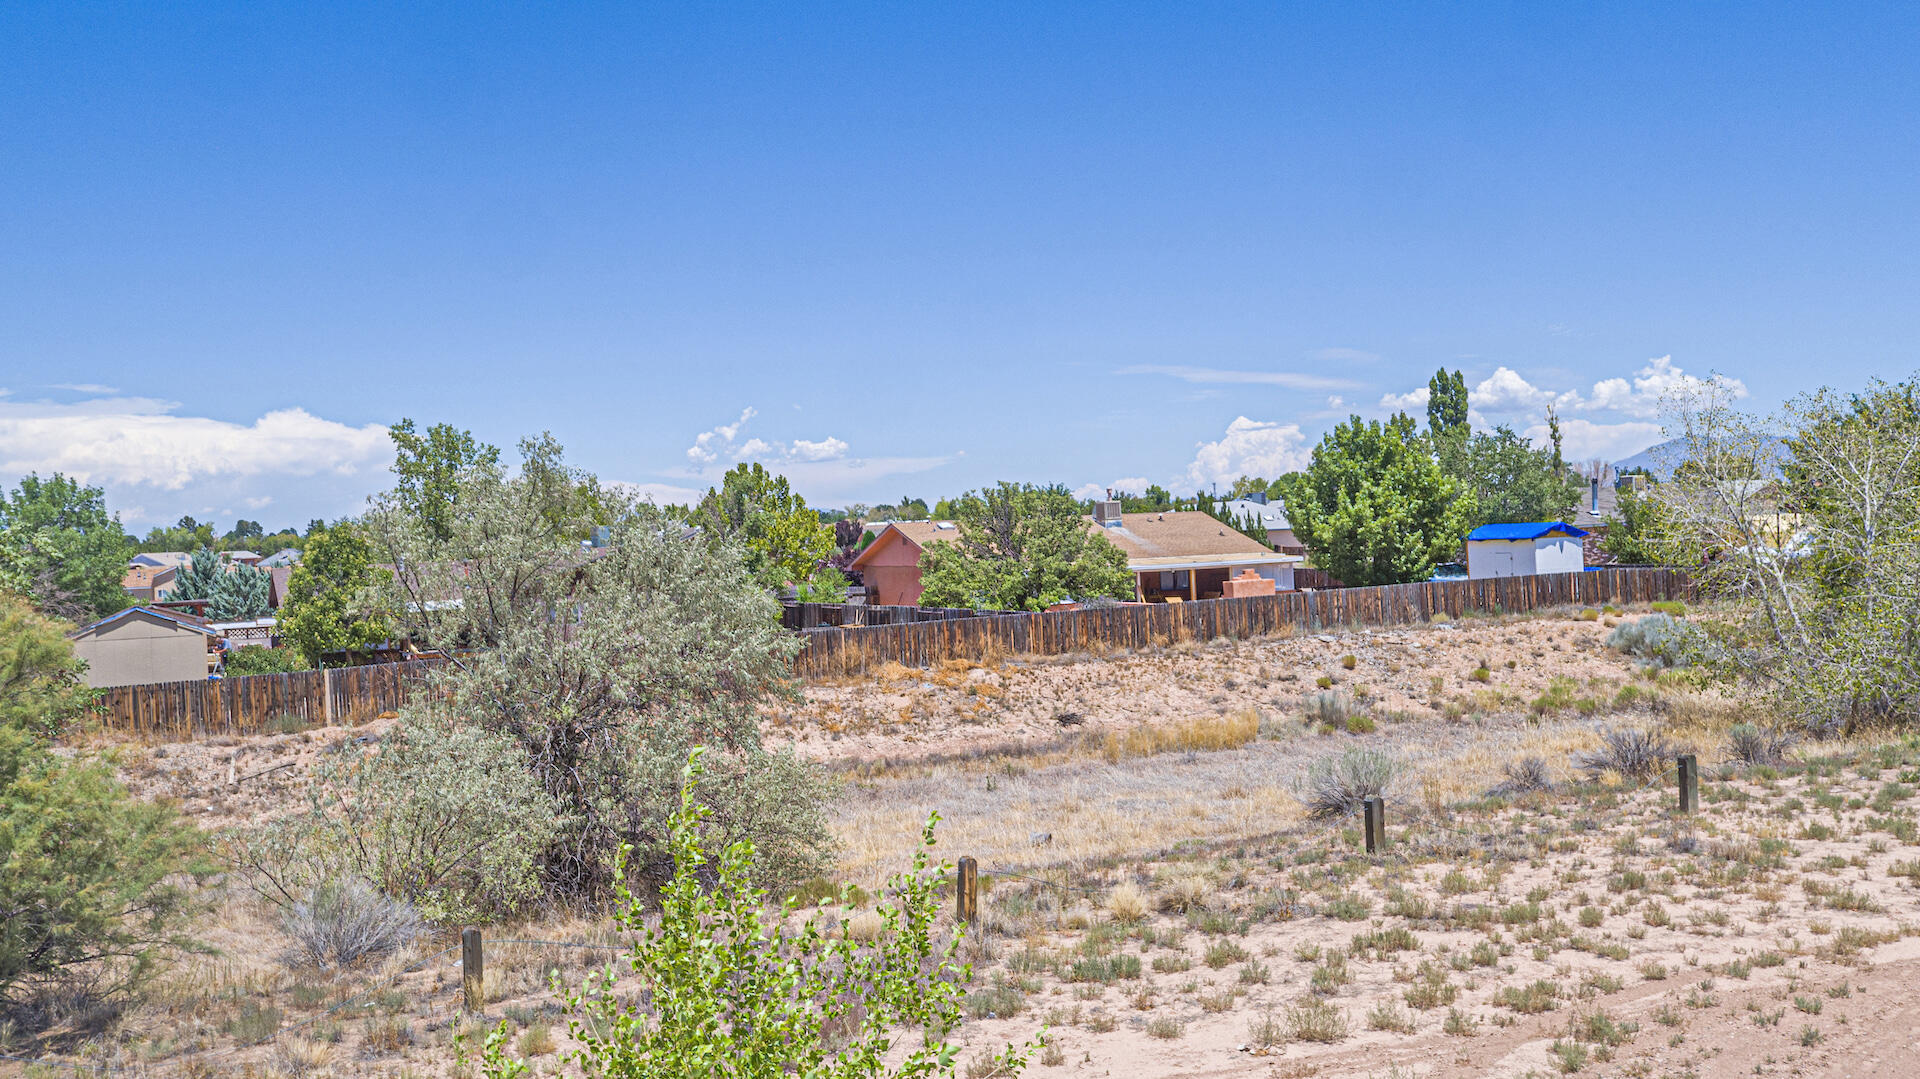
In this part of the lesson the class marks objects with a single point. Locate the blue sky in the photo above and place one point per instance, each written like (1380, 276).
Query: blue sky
(927, 247)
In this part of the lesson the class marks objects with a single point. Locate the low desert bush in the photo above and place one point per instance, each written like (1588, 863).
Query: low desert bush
(1634, 754)
(1335, 785)
(1657, 640)
(1329, 709)
(1524, 776)
(345, 923)
(1315, 1020)
(1753, 745)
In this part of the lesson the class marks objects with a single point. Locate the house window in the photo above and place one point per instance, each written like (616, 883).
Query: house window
(1166, 580)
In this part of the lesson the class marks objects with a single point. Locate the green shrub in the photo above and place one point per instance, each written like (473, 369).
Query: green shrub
(92, 878)
(728, 980)
(253, 659)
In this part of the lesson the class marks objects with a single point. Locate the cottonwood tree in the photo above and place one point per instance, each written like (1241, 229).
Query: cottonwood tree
(1374, 507)
(333, 604)
(60, 547)
(783, 541)
(429, 468)
(606, 666)
(1508, 477)
(1021, 548)
(1809, 523)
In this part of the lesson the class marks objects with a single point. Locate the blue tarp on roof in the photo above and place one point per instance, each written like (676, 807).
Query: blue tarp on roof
(1523, 531)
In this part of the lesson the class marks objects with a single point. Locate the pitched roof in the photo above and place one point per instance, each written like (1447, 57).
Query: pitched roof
(918, 533)
(1178, 536)
(1523, 530)
(168, 616)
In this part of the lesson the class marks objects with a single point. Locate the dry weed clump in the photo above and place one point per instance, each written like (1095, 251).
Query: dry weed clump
(1229, 731)
(1127, 904)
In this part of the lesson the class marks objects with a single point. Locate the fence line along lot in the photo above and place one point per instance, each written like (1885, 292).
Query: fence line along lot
(352, 695)
(855, 650)
(245, 705)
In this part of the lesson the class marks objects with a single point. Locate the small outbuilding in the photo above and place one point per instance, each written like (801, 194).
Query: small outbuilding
(144, 644)
(1521, 550)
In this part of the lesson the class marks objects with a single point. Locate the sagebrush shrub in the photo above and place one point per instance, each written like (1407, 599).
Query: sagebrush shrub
(1750, 744)
(1657, 640)
(1330, 709)
(1335, 785)
(1524, 776)
(344, 923)
(444, 815)
(1632, 753)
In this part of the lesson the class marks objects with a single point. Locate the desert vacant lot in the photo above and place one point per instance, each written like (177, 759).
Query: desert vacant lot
(1159, 896)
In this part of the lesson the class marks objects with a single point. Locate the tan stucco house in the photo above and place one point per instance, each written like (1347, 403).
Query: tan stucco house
(141, 644)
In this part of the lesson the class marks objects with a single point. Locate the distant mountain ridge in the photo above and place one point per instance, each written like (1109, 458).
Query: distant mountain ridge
(1658, 459)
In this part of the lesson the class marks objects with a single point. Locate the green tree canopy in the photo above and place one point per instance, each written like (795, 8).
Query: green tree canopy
(429, 469)
(1633, 530)
(330, 606)
(1021, 548)
(784, 541)
(89, 875)
(1446, 403)
(1374, 507)
(60, 547)
(1509, 478)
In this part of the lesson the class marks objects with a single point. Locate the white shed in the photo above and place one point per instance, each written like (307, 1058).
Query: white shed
(1520, 550)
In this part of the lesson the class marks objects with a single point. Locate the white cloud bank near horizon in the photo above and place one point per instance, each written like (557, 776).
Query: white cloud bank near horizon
(146, 454)
(1615, 418)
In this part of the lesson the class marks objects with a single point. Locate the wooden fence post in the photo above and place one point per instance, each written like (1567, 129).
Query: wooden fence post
(967, 891)
(473, 980)
(1374, 811)
(1689, 768)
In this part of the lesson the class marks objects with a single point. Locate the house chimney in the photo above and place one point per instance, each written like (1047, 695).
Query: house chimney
(1596, 496)
(1106, 514)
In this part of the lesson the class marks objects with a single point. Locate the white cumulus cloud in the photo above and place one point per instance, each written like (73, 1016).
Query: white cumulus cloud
(1508, 395)
(824, 450)
(134, 440)
(1250, 448)
(144, 447)
(724, 441)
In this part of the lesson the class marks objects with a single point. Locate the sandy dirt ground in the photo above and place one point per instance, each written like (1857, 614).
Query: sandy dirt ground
(1160, 899)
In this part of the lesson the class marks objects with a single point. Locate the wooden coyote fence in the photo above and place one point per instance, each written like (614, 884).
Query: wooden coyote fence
(245, 705)
(805, 616)
(926, 644)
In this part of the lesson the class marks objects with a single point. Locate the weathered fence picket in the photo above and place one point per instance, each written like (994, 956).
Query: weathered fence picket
(853, 650)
